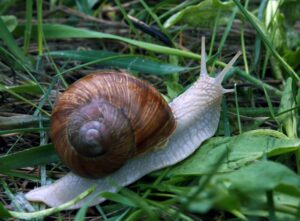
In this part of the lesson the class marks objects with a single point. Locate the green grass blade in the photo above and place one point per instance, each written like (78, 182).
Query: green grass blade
(40, 26)
(30, 157)
(157, 20)
(56, 31)
(266, 40)
(271, 206)
(227, 30)
(11, 43)
(270, 105)
(125, 15)
(179, 7)
(28, 28)
(257, 45)
(237, 109)
(47, 212)
(21, 121)
(22, 130)
(84, 7)
(130, 62)
(31, 88)
(258, 83)
(3, 88)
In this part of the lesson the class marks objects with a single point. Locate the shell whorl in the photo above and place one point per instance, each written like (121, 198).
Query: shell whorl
(94, 127)
(104, 119)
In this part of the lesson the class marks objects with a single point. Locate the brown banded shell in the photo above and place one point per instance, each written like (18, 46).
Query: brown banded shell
(105, 118)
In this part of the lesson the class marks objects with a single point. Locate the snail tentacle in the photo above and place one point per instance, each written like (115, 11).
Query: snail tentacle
(222, 74)
(203, 69)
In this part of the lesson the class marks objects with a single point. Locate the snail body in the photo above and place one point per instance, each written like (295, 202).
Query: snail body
(106, 118)
(196, 112)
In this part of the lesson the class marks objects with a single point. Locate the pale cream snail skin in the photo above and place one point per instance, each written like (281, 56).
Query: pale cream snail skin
(197, 113)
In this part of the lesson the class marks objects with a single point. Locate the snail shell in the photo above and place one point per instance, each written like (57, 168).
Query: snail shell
(106, 118)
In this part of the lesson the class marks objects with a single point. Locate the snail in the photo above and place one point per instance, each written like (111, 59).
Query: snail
(184, 124)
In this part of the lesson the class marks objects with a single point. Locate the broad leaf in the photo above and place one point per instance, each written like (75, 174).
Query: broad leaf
(203, 14)
(244, 191)
(263, 176)
(239, 150)
(10, 21)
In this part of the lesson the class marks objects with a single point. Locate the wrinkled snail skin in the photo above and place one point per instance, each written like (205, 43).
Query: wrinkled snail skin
(197, 113)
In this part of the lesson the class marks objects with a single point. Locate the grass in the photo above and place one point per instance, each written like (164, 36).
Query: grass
(248, 171)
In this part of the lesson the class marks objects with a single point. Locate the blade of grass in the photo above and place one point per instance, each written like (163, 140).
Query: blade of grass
(57, 71)
(3, 88)
(254, 112)
(84, 7)
(125, 15)
(56, 31)
(11, 196)
(214, 33)
(80, 215)
(21, 121)
(270, 105)
(11, 43)
(135, 215)
(203, 182)
(29, 157)
(21, 174)
(258, 83)
(28, 27)
(237, 109)
(266, 40)
(271, 207)
(140, 203)
(30, 88)
(265, 64)
(168, 210)
(39, 5)
(22, 130)
(225, 34)
(28, 71)
(116, 197)
(182, 5)
(244, 49)
(156, 19)
(24, 67)
(131, 62)
(47, 212)
(92, 62)
(227, 30)
(243, 43)
(257, 46)
(225, 118)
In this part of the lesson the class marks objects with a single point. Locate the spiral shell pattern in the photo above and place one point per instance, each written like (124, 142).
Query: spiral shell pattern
(106, 118)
